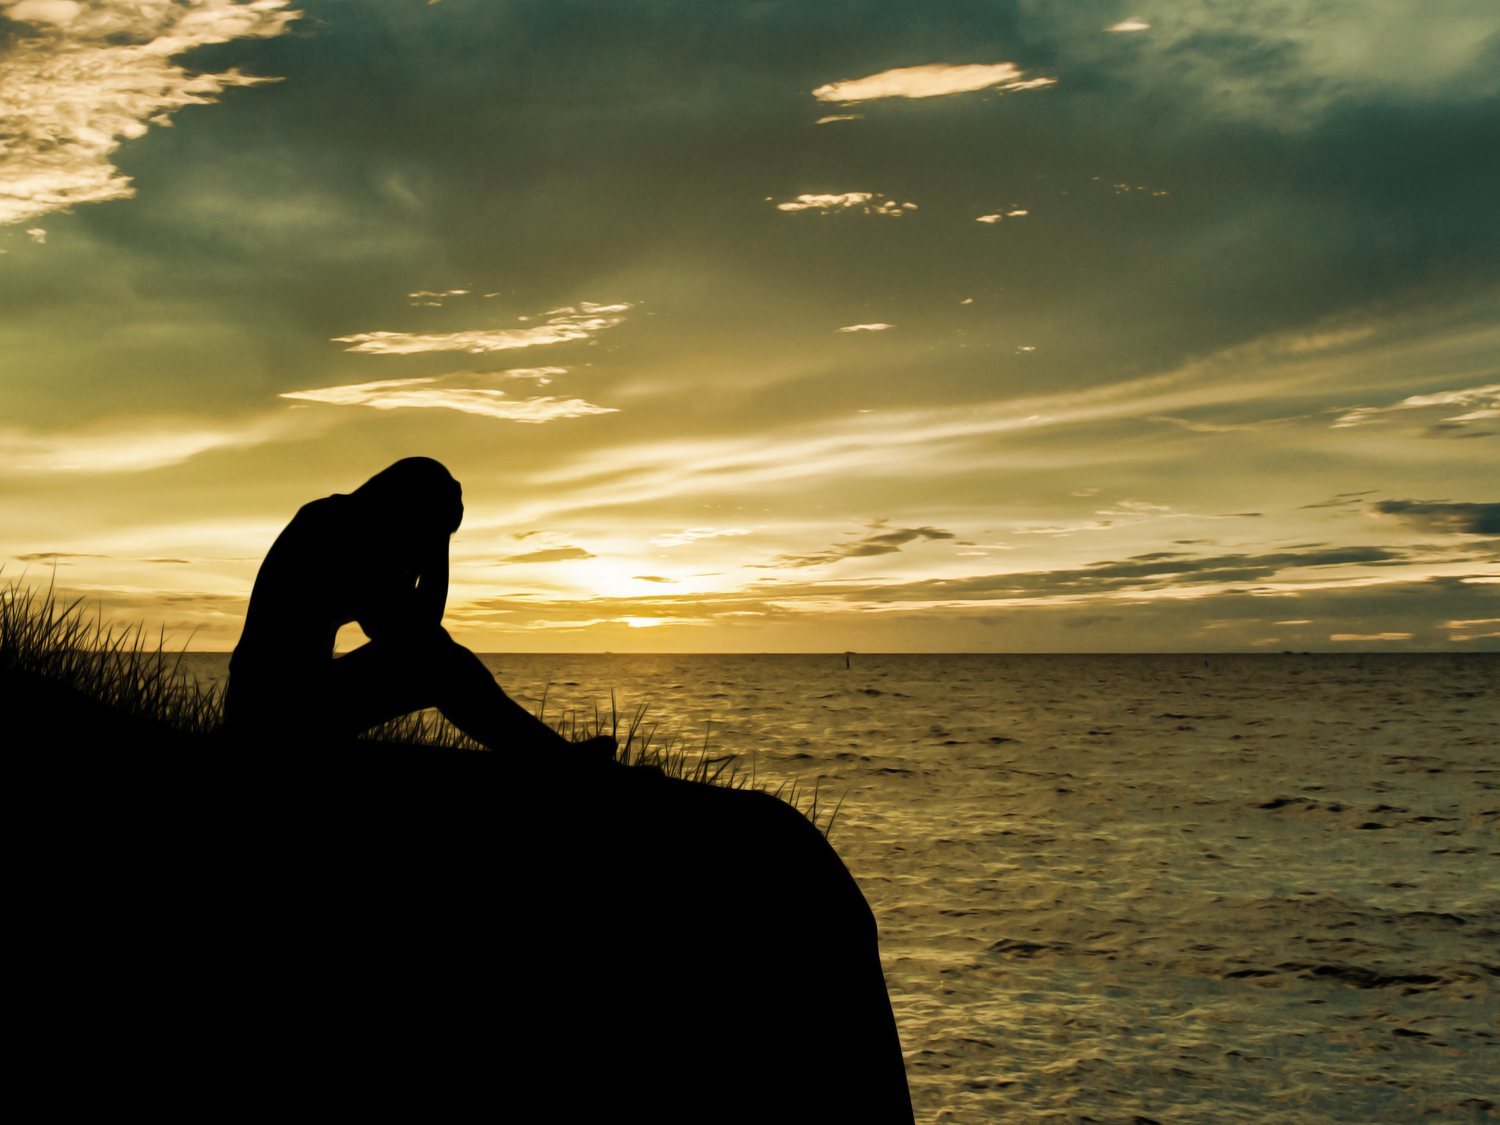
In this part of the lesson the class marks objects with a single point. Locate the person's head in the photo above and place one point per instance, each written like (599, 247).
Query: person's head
(415, 492)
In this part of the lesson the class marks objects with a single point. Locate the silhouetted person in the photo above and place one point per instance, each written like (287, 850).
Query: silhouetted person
(379, 557)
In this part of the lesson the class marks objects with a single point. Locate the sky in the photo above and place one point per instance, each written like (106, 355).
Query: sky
(769, 326)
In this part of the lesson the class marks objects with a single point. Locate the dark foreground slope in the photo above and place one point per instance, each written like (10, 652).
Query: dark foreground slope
(426, 934)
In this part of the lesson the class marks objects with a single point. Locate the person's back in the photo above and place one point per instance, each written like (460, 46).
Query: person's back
(294, 613)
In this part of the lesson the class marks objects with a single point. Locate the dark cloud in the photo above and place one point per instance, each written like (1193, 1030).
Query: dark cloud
(653, 578)
(1442, 515)
(1154, 571)
(878, 543)
(1456, 431)
(550, 554)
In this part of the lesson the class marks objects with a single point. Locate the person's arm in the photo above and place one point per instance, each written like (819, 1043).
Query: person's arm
(432, 584)
(415, 602)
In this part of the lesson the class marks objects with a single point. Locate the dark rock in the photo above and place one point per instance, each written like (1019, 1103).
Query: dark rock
(424, 934)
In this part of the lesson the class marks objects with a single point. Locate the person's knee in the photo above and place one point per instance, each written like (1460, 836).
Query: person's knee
(442, 651)
(423, 641)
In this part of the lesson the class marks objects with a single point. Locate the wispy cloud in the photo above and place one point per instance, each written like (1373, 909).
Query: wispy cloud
(1474, 404)
(1199, 427)
(434, 298)
(867, 202)
(541, 376)
(697, 534)
(550, 554)
(77, 79)
(1129, 25)
(58, 556)
(443, 393)
(832, 118)
(876, 327)
(582, 322)
(933, 80)
(137, 447)
(1356, 638)
(1473, 629)
(880, 541)
(927, 439)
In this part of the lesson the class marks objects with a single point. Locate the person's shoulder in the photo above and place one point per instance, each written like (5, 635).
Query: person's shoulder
(323, 508)
(321, 516)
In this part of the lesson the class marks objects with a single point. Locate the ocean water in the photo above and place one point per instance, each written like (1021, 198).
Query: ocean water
(1127, 888)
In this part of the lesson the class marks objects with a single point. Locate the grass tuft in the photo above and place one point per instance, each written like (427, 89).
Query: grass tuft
(42, 635)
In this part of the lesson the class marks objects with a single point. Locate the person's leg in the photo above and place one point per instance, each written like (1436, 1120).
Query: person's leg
(386, 679)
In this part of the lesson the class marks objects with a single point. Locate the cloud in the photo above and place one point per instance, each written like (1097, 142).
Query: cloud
(55, 556)
(695, 534)
(434, 298)
(1475, 404)
(831, 118)
(1473, 629)
(1293, 60)
(562, 325)
(1224, 427)
(879, 542)
(439, 393)
(1442, 515)
(877, 327)
(1129, 25)
(551, 554)
(1357, 637)
(1123, 512)
(999, 216)
(1343, 500)
(868, 202)
(542, 376)
(930, 81)
(141, 446)
(77, 79)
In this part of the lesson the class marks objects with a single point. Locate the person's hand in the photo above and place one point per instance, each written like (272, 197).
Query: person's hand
(600, 749)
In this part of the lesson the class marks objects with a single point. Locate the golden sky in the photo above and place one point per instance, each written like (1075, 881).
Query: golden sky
(769, 326)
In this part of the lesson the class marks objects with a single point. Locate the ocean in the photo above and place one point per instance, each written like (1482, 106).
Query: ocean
(1136, 888)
